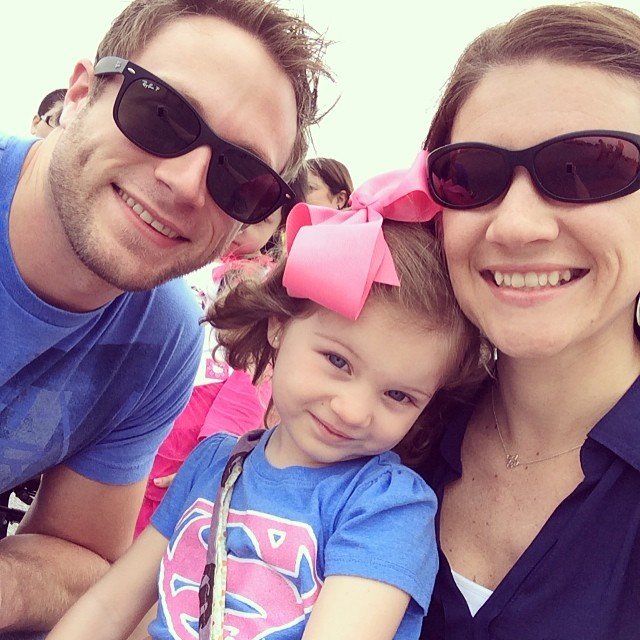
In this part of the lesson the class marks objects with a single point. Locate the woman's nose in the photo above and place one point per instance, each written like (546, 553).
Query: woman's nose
(522, 215)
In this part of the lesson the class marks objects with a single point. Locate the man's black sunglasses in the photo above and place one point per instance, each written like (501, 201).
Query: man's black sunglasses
(159, 120)
(579, 167)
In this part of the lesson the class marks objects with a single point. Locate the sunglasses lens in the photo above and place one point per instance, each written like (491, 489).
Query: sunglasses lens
(587, 167)
(161, 122)
(157, 119)
(468, 177)
(242, 186)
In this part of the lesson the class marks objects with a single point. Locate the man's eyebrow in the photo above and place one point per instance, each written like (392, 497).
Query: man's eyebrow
(199, 107)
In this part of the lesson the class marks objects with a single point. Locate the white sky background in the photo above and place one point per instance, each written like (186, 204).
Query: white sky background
(390, 60)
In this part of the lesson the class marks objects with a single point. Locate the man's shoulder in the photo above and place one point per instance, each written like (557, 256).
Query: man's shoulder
(169, 306)
(13, 147)
(12, 154)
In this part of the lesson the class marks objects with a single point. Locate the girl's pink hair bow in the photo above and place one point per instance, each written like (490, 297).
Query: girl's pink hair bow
(335, 256)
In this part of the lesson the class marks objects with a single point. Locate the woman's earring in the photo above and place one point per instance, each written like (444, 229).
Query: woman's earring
(638, 311)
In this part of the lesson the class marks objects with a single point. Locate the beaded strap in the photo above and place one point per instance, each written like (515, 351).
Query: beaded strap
(213, 587)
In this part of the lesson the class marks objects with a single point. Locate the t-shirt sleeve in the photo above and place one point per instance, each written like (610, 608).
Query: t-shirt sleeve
(208, 458)
(125, 454)
(386, 532)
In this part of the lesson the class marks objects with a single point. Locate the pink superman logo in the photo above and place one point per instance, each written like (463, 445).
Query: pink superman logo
(272, 581)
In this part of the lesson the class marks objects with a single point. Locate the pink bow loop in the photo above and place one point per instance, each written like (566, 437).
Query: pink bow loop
(334, 256)
(399, 195)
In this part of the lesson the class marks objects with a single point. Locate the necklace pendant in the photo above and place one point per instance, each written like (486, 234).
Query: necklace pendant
(512, 461)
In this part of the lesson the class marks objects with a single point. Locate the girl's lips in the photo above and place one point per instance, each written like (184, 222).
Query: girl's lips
(331, 430)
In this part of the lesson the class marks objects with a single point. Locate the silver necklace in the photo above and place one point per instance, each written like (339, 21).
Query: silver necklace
(512, 460)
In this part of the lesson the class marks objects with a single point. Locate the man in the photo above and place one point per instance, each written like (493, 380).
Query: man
(44, 122)
(130, 190)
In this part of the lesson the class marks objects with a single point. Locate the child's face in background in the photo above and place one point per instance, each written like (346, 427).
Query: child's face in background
(345, 389)
(254, 237)
(319, 194)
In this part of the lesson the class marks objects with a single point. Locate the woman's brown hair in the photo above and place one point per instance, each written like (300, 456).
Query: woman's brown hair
(586, 34)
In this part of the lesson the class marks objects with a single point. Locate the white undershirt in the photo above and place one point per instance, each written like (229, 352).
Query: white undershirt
(475, 594)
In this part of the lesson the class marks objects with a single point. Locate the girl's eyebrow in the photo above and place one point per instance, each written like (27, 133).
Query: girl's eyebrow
(338, 342)
(419, 392)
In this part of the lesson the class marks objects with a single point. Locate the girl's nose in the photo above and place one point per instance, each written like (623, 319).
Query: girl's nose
(353, 408)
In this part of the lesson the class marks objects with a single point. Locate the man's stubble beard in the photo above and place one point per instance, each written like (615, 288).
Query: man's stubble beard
(75, 202)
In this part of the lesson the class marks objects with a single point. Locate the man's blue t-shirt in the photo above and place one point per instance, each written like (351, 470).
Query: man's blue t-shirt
(288, 530)
(96, 391)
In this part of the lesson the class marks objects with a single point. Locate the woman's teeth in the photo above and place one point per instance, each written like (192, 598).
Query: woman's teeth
(145, 216)
(532, 279)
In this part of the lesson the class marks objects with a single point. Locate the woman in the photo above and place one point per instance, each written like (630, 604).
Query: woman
(329, 183)
(539, 481)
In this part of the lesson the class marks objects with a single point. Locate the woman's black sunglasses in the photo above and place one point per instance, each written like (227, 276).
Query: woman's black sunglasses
(579, 167)
(160, 121)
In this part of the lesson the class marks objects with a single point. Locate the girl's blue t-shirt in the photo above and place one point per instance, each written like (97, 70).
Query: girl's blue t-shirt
(288, 530)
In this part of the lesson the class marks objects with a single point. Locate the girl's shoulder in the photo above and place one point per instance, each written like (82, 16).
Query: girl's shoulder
(212, 448)
(384, 529)
(196, 482)
(370, 485)
(209, 456)
(385, 475)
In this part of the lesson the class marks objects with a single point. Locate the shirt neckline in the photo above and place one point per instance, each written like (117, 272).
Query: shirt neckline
(616, 431)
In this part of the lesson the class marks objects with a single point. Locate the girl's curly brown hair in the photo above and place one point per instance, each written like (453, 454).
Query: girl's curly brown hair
(424, 295)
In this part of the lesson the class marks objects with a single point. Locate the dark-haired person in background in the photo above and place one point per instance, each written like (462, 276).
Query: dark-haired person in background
(100, 340)
(329, 183)
(48, 115)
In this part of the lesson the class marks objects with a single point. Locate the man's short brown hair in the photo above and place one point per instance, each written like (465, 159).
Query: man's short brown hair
(586, 34)
(295, 46)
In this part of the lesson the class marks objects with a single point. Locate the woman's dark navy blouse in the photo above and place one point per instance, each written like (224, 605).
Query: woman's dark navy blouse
(580, 578)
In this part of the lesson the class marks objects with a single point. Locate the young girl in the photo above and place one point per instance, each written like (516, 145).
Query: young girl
(324, 535)
(329, 183)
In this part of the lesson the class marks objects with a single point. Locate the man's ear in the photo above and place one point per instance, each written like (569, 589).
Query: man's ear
(77, 95)
(34, 124)
(274, 331)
